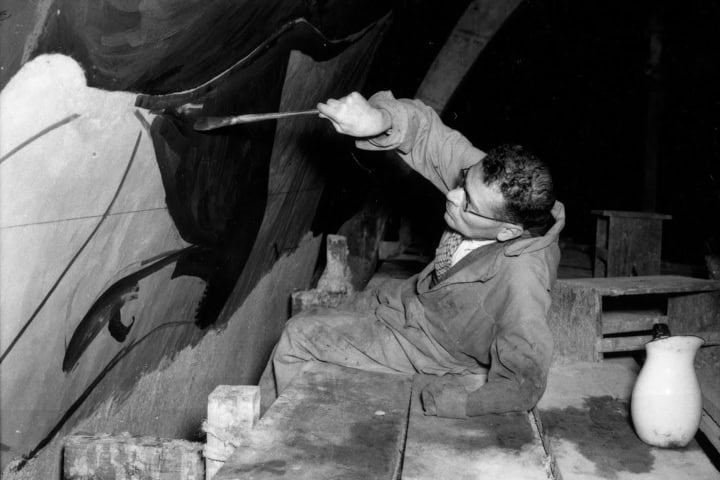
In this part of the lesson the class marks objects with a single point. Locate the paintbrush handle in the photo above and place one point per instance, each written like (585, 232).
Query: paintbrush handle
(211, 123)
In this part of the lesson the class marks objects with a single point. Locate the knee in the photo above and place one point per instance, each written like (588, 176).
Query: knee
(297, 329)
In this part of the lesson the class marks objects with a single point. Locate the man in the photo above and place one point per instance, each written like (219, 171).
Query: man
(478, 312)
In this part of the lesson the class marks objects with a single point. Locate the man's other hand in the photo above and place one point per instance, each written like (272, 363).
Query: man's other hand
(353, 115)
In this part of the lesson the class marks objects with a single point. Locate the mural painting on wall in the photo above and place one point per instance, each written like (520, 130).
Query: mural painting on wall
(120, 223)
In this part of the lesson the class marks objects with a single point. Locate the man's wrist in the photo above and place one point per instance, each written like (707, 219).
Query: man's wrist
(386, 120)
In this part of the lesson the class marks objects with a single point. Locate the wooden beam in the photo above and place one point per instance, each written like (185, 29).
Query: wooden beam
(125, 457)
(476, 27)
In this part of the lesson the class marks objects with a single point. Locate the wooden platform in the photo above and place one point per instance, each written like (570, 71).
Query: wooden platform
(344, 423)
(588, 430)
(333, 422)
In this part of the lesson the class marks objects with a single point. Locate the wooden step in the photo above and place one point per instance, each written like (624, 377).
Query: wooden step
(644, 285)
(489, 446)
(332, 422)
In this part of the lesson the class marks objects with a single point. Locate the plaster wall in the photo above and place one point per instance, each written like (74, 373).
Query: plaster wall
(102, 288)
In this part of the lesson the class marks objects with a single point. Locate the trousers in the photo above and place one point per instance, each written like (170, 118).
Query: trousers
(358, 340)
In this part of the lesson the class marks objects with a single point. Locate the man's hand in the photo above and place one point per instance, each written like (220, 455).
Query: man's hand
(354, 116)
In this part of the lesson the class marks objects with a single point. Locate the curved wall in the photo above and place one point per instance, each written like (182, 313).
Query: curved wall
(143, 263)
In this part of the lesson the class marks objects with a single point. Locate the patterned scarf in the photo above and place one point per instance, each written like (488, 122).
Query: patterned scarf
(449, 242)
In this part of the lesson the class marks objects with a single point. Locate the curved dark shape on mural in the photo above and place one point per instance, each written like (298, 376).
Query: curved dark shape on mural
(157, 47)
(215, 183)
(298, 34)
(88, 390)
(106, 309)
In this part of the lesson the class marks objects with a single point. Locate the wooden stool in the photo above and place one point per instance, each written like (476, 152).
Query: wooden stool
(627, 243)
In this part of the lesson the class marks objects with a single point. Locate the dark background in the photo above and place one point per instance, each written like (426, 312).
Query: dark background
(572, 81)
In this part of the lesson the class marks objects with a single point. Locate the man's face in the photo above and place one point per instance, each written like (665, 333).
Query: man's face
(471, 207)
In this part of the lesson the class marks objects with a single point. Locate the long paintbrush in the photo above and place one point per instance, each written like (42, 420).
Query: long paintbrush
(211, 123)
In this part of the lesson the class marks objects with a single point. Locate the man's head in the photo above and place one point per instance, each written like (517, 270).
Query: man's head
(509, 191)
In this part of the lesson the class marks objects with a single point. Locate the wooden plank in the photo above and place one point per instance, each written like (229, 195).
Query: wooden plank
(694, 312)
(332, 422)
(637, 342)
(124, 457)
(574, 320)
(628, 321)
(650, 284)
(586, 421)
(474, 30)
(622, 213)
(488, 446)
(601, 244)
(711, 429)
(634, 246)
(707, 366)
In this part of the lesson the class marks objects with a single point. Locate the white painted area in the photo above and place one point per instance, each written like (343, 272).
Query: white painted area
(72, 171)
(54, 197)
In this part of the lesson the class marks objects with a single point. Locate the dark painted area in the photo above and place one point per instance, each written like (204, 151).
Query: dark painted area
(145, 46)
(106, 310)
(602, 432)
(216, 182)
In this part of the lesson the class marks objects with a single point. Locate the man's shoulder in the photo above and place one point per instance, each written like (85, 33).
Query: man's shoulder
(528, 268)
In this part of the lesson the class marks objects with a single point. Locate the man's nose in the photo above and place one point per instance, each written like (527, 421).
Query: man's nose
(456, 196)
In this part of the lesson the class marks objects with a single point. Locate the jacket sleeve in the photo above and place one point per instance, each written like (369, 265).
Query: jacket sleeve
(521, 351)
(427, 145)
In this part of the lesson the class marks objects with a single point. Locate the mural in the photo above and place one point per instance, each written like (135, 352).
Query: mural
(125, 233)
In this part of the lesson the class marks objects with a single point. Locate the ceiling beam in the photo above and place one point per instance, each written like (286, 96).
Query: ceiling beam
(473, 31)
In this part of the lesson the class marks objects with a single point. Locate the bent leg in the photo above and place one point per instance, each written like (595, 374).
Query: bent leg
(349, 339)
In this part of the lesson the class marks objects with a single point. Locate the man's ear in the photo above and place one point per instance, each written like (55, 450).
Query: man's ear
(508, 232)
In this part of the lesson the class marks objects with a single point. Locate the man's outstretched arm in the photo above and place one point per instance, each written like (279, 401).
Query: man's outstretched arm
(411, 128)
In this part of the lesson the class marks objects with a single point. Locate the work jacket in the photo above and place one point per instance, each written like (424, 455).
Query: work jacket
(491, 307)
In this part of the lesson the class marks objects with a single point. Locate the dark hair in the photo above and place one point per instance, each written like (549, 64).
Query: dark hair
(525, 183)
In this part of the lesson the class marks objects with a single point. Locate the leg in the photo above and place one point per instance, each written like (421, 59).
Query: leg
(349, 339)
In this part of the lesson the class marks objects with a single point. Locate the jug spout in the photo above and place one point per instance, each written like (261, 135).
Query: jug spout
(666, 402)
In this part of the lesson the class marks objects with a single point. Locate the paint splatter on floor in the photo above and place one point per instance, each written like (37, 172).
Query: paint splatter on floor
(603, 433)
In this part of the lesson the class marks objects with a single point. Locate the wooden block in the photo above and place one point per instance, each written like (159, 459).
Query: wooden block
(336, 277)
(332, 422)
(232, 411)
(124, 457)
(488, 446)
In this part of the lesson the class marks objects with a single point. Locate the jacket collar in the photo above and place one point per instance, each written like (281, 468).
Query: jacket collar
(484, 262)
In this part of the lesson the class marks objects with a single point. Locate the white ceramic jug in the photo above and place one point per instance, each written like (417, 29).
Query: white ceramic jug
(666, 401)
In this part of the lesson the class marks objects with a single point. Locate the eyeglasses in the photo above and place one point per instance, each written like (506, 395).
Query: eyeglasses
(467, 206)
